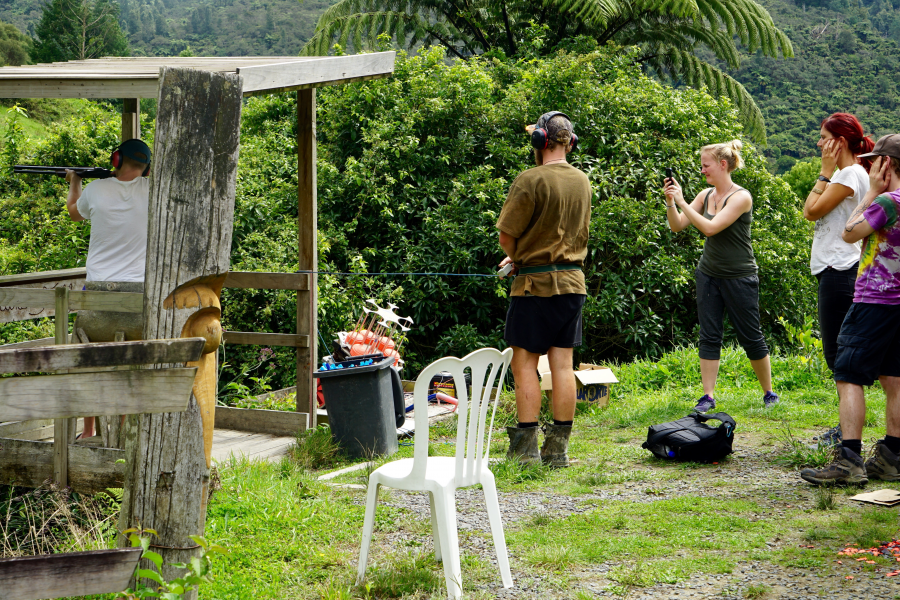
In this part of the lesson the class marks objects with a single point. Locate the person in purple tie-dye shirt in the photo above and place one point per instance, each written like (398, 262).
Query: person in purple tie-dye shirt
(869, 341)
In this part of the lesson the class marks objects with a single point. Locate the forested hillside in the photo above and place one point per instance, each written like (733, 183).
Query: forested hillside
(207, 27)
(846, 59)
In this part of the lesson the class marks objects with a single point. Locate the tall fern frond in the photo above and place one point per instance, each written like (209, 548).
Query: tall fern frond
(696, 73)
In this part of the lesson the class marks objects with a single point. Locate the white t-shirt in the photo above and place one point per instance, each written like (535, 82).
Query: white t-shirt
(828, 249)
(118, 211)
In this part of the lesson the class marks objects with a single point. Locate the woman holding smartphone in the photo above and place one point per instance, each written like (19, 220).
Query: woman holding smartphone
(726, 275)
(830, 202)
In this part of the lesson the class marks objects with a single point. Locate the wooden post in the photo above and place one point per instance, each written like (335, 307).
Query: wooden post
(189, 244)
(306, 231)
(131, 118)
(61, 437)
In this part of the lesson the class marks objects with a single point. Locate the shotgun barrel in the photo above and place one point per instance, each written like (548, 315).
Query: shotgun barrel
(83, 172)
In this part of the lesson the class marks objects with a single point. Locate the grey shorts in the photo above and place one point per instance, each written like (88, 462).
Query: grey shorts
(740, 297)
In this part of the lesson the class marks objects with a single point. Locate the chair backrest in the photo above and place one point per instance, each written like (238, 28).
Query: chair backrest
(473, 432)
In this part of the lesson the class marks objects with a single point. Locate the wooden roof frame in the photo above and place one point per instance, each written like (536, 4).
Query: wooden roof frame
(133, 78)
(138, 77)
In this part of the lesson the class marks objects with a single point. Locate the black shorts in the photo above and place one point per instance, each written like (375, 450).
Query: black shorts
(868, 344)
(537, 324)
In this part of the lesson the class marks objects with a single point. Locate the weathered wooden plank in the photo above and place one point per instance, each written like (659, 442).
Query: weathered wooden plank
(40, 434)
(126, 302)
(43, 277)
(30, 464)
(329, 70)
(247, 338)
(30, 344)
(91, 394)
(107, 354)
(68, 574)
(267, 281)
(273, 422)
(56, 85)
(307, 224)
(189, 242)
(12, 428)
(61, 426)
(34, 298)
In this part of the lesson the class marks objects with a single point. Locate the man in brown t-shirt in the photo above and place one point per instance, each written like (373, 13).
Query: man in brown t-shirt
(544, 231)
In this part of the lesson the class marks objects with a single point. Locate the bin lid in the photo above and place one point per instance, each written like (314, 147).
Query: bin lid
(355, 370)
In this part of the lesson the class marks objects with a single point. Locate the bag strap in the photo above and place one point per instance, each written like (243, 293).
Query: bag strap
(725, 418)
(652, 439)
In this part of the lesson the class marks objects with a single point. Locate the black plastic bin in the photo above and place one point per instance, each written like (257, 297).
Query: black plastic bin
(362, 408)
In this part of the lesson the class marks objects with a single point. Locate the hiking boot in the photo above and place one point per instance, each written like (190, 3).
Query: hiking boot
(523, 445)
(705, 404)
(848, 467)
(832, 437)
(556, 445)
(770, 399)
(883, 464)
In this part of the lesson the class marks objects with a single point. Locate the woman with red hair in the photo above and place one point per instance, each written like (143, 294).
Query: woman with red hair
(832, 199)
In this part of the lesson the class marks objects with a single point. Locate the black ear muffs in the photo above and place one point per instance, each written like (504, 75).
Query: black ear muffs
(146, 171)
(539, 137)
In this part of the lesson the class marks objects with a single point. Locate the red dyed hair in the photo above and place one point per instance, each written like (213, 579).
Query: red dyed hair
(848, 127)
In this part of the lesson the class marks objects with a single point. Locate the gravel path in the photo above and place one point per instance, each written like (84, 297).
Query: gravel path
(753, 476)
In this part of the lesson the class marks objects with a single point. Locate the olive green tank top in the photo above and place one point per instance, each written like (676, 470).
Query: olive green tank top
(728, 254)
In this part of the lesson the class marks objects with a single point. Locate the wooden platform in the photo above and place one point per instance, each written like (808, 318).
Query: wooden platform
(228, 443)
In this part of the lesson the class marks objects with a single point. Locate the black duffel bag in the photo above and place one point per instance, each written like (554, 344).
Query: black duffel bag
(690, 438)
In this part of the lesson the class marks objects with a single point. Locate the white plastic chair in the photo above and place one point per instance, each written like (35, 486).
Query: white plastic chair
(441, 476)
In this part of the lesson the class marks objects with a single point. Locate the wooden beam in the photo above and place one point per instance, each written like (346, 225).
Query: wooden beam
(92, 86)
(98, 393)
(307, 244)
(77, 300)
(39, 343)
(273, 422)
(30, 464)
(61, 425)
(109, 354)
(192, 196)
(245, 338)
(43, 277)
(131, 119)
(330, 70)
(13, 428)
(267, 281)
(67, 574)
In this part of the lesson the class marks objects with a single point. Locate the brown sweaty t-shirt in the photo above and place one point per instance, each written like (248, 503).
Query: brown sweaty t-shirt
(548, 210)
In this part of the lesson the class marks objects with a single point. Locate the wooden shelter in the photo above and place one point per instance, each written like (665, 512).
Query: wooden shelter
(139, 77)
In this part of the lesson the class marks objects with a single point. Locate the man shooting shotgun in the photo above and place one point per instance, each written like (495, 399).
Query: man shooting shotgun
(118, 208)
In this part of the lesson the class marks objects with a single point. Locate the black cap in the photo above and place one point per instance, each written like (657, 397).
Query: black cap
(136, 150)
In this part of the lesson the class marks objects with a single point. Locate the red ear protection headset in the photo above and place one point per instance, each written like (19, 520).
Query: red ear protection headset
(116, 159)
(539, 138)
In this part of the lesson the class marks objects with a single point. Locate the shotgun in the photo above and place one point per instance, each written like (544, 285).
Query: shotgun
(83, 172)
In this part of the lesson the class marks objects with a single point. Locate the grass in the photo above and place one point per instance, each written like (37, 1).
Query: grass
(646, 521)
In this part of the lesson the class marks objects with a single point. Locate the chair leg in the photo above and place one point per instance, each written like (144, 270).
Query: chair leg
(445, 502)
(493, 510)
(368, 526)
(435, 530)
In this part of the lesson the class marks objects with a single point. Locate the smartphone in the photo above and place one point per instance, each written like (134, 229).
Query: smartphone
(668, 174)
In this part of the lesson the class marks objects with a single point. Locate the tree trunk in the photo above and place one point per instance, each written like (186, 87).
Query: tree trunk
(189, 242)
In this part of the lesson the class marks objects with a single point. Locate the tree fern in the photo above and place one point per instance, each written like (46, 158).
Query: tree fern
(667, 31)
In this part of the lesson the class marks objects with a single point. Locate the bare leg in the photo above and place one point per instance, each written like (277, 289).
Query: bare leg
(853, 409)
(563, 383)
(763, 370)
(891, 387)
(528, 386)
(88, 430)
(709, 372)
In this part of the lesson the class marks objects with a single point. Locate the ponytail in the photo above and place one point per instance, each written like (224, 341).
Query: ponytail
(730, 152)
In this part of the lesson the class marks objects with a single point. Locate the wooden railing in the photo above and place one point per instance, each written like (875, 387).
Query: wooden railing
(87, 393)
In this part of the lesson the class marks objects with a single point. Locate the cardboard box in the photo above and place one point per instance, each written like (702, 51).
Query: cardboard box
(592, 382)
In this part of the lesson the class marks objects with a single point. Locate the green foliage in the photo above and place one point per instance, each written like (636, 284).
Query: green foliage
(668, 33)
(813, 354)
(197, 570)
(78, 30)
(803, 175)
(14, 45)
